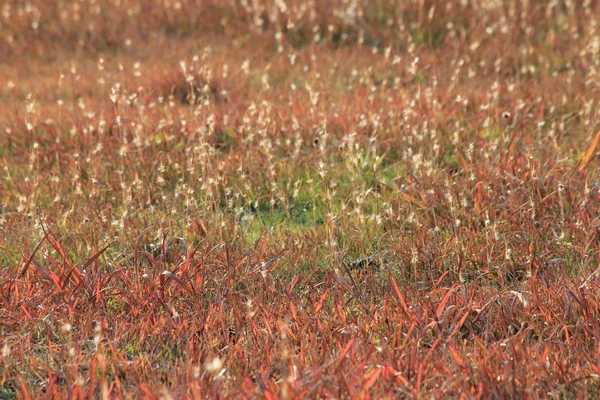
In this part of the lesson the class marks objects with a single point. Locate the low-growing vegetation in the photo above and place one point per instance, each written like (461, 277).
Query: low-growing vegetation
(300, 199)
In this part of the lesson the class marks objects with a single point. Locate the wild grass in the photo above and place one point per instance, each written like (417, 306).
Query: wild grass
(291, 199)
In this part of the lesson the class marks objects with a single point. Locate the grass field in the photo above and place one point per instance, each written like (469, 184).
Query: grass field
(300, 199)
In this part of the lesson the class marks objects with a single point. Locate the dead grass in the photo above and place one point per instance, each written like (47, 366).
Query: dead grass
(299, 199)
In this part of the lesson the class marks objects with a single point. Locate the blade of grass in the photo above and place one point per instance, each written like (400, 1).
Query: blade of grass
(587, 156)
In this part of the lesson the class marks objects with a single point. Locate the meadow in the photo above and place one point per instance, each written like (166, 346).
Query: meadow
(299, 199)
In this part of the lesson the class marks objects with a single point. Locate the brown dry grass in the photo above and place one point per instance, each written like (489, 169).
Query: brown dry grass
(342, 199)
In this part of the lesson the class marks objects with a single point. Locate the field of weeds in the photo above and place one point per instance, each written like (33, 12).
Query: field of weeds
(299, 199)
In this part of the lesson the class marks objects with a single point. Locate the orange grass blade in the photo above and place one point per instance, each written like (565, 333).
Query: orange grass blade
(402, 302)
(587, 156)
(72, 269)
(345, 352)
(459, 361)
(412, 200)
(263, 247)
(147, 392)
(92, 372)
(440, 308)
(24, 391)
(370, 381)
(460, 323)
